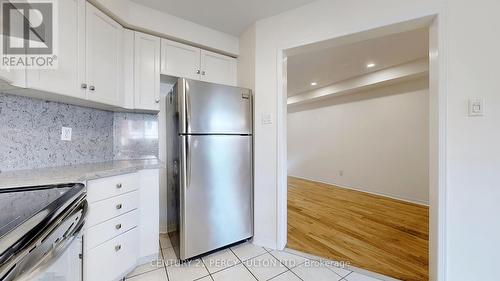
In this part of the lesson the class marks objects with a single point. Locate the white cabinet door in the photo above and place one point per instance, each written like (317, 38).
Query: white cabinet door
(217, 68)
(6, 78)
(69, 77)
(11, 78)
(149, 217)
(180, 60)
(112, 259)
(103, 57)
(147, 72)
(128, 69)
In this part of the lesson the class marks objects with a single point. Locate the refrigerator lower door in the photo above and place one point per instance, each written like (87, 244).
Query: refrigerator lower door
(216, 192)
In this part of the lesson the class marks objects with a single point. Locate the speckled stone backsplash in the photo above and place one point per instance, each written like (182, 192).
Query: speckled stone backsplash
(30, 134)
(135, 136)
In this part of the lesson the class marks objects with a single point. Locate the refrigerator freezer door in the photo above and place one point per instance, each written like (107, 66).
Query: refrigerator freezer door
(216, 192)
(207, 108)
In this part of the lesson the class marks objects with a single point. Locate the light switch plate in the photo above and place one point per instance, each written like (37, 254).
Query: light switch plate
(476, 107)
(66, 133)
(267, 119)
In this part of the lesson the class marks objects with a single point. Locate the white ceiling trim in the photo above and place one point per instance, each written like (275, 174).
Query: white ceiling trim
(375, 79)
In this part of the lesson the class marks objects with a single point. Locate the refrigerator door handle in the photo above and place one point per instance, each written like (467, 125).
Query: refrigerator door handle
(182, 105)
(188, 112)
(188, 162)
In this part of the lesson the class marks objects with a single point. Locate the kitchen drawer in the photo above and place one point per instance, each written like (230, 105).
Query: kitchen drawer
(102, 232)
(110, 208)
(111, 260)
(111, 186)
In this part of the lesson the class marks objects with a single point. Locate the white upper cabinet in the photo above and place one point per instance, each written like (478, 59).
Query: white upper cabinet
(69, 76)
(11, 78)
(180, 60)
(128, 69)
(217, 68)
(103, 57)
(101, 64)
(186, 61)
(146, 71)
(6, 78)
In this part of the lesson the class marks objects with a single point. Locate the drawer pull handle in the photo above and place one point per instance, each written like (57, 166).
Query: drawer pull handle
(119, 206)
(118, 247)
(118, 185)
(118, 226)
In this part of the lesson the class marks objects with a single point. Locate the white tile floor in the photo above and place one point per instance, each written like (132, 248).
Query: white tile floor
(247, 262)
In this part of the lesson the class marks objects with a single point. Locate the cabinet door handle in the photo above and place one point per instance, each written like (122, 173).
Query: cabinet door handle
(197, 71)
(203, 72)
(118, 247)
(84, 86)
(157, 100)
(119, 206)
(119, 185)
(92, 88)
(118, 226)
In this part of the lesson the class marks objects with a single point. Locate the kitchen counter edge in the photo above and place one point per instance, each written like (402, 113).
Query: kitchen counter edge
(75, 173)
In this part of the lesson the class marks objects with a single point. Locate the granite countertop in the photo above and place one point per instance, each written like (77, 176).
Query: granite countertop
(75, 173)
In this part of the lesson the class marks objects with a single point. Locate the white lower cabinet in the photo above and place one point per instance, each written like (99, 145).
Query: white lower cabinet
(102, 232)
(111, 259)
(149, 214)
(112, 207)
(122, 226)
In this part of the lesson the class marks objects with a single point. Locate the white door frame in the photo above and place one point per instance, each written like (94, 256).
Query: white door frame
(437, 136)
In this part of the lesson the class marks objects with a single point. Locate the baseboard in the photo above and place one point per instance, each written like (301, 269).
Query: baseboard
(271, 244)
(147, 259)
(365, 191)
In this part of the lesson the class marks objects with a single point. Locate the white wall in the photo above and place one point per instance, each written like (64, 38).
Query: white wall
(379, 139)
(246, 59)
(469, 60)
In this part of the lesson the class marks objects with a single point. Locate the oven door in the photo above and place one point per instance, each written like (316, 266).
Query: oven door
(64, 264)
(57, 255)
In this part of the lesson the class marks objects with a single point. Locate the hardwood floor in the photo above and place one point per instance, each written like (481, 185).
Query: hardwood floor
(371, 232)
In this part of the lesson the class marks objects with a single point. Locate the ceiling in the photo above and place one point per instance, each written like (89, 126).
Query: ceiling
(331, 65)
(229, 16)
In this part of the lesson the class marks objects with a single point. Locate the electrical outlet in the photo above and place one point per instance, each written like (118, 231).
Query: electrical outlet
(66, 134)
(341, 172)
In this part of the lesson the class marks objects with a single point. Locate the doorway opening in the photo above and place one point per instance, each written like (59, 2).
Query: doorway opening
(360, 122)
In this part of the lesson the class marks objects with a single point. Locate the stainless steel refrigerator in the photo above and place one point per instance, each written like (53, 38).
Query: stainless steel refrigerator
(210, 130)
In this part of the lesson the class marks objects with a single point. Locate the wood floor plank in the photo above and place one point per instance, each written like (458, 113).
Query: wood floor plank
(373, 232)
